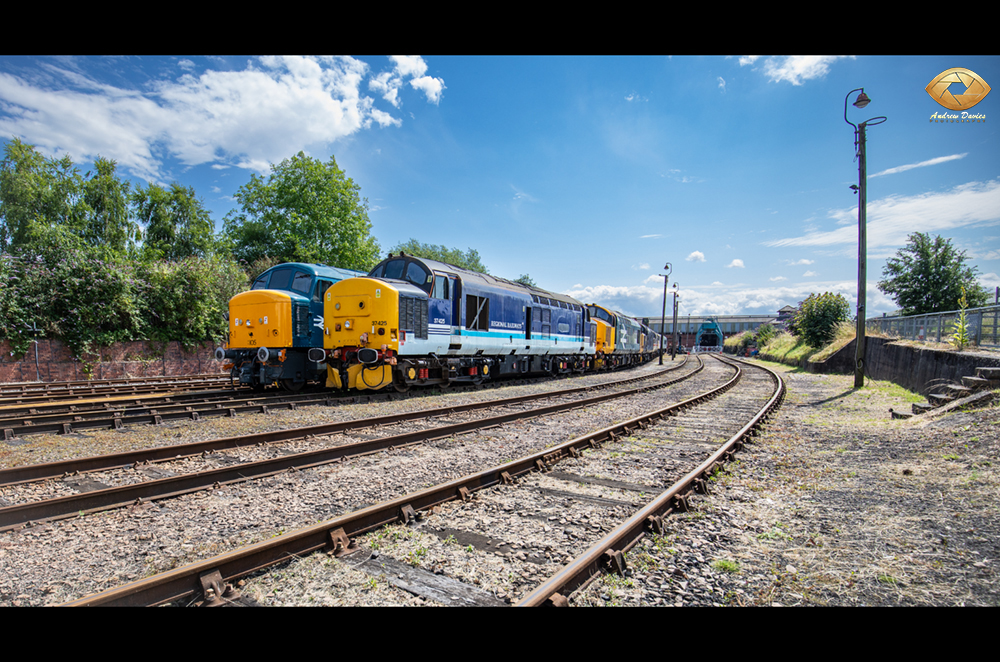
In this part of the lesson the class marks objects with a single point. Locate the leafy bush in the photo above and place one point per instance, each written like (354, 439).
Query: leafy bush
(818, 317)
(765, 334)
(84, 296)
(188, 299)
(89, 298)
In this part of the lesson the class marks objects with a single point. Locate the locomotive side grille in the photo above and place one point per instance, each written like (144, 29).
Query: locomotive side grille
(300, 320)
(413, 316)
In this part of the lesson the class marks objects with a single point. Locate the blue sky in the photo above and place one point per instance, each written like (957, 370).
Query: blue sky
(588, 173)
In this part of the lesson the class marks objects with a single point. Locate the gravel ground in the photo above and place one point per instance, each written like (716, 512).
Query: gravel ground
(837, 504)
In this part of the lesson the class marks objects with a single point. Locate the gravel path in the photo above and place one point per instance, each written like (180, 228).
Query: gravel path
(836, 505)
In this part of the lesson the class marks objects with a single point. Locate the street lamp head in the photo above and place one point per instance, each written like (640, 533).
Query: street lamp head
(862, 100)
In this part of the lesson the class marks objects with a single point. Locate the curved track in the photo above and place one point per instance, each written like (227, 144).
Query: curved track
(717, 412)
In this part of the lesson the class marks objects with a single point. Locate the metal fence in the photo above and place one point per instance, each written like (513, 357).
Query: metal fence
(983, 327)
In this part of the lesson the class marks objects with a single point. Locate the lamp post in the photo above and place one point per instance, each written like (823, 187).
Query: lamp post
(663, 313)
(673, 328)
(862, 190)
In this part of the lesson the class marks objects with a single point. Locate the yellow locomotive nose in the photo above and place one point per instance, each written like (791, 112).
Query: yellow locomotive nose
(260, 318)
(361, 313)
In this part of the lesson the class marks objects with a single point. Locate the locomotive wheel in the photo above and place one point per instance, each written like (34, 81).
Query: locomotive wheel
(292, 385)
(401, 387)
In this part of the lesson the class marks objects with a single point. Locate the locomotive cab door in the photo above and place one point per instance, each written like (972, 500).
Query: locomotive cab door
(440, 311)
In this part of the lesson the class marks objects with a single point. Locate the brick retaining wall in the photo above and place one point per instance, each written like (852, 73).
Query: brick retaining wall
(132, 359)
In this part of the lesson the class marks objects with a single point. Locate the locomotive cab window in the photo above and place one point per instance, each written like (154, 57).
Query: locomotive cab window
(302, 282)
(394, 269)
(260, 283)
(416, 274)
(281, 279)
(321, 287)
(440, 287)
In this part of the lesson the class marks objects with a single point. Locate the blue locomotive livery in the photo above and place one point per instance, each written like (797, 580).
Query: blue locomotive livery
(415, 321)
(276, 328)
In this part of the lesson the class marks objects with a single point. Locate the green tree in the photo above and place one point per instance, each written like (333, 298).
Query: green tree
(107, 213)
(525, 279)
(927, 276)
(177, 223)
(467, 260)
(305, 211)
(818, 316)
(36, 193)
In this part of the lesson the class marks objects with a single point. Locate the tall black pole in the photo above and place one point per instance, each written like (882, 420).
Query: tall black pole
(663, 313)
(673, 328)
(859, 350)
(862, 191)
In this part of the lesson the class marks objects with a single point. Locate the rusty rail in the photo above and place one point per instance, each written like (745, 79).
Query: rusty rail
(607, 555)
(216, 575)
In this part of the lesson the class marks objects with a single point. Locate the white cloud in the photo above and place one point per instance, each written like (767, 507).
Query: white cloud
(802, 261)
(431, 87)
(388, 83)
(990, 281)
(809, 274)
(777, 278)
(722, 83)
(735, 263)
(651, 236)
(794, 69)
(717, 299)
(272, 108)
(696, 256)
(922, 164)
(891, 220)
(409, 65)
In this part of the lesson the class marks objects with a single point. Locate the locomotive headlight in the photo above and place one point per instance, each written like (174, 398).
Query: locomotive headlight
(347, 324)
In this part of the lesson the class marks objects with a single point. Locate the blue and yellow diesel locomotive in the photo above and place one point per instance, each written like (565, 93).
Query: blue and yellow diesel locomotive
(415, 321)
(276, 328)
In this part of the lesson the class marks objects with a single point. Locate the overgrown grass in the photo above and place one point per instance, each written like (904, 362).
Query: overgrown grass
(787, 348)
(843, 334)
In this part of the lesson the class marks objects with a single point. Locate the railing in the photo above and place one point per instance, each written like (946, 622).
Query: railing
(983, 326)
(705, 349)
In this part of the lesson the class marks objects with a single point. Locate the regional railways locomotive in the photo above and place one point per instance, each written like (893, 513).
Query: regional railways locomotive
(414, 321)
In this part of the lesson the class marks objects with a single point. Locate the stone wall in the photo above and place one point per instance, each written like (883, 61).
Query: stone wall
(913, 367)
(132, 359)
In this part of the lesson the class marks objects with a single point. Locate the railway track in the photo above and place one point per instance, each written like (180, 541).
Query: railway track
(116, 411)
(75, 494)
(698, 430)
(28, 393)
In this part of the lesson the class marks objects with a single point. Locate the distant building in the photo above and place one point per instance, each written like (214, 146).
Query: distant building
(785, 315)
